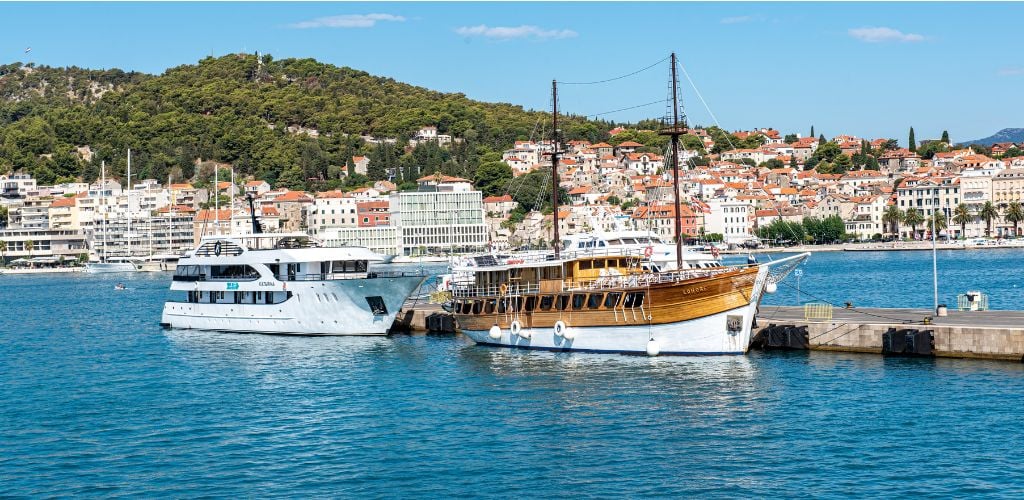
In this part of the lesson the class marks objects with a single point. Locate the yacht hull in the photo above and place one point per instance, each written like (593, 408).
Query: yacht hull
(315, 308)
(110, 267)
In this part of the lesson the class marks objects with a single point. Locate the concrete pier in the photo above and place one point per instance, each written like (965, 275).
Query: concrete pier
(961, 334)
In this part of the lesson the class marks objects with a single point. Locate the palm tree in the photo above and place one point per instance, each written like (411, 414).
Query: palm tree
(937, 222)
(988, 212)
(892, 217)
(962, 215)
(913, 218)
(3, 251)
(29, 245)
(1014, 215)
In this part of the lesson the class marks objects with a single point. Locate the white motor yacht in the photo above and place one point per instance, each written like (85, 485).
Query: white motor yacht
(285, 283)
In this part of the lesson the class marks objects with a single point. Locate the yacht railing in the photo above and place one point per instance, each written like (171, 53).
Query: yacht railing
(348, 276)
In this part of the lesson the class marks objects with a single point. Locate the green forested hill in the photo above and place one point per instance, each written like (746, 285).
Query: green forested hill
(236, 109)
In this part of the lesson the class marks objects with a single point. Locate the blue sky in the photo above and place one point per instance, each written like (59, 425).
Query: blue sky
(868, 69)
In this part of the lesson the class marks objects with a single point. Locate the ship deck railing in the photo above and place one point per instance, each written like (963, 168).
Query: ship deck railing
(349, 276)
(462, 290)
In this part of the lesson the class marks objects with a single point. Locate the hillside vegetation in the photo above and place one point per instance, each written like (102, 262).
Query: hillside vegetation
(253, 113)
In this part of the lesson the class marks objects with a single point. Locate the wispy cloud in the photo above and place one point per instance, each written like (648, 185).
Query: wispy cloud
(511, 32)
(347, 21)
(737, 19)
(1010, 71)
(882, 34)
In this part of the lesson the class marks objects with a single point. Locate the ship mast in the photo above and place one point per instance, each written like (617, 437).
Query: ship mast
(674, 131)
(556, 241)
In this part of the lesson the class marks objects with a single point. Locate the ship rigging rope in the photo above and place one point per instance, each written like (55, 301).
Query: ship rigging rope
(627, 75)
(595, 115)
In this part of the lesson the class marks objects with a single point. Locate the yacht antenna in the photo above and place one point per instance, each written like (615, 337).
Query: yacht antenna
(674, 131)
(556, 241)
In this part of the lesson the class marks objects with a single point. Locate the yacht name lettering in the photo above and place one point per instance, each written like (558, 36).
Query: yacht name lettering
(267, 283)
(696, 289)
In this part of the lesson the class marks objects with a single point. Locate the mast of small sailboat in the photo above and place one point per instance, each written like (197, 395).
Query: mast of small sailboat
(556, 241)
(103, 206)
(128, 233)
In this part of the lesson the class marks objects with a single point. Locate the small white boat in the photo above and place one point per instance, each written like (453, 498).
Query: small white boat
(113, 265)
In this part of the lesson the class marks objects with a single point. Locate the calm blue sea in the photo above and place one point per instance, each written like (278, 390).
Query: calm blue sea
(97, 400)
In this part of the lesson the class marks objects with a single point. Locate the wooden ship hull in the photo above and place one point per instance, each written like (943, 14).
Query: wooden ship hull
(705, 315)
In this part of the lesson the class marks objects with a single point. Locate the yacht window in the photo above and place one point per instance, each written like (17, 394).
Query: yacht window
(586, 264)
(578, 300)
(489, 308)
(477, 307)
(594, 301)
(563, 302)
(531, 304)
(502, 306)
(517, 304)
(634, 299)
(601, 244)
(612, 299)
(546, 302)
(360, 266)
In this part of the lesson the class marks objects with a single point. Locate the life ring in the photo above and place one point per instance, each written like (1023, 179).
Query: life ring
(649, 251)
(559, 328)
(503, 288)
(516, 327)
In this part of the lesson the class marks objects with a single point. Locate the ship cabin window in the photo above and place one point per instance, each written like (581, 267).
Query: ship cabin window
(467, 307)
(517, 304)
(586, 264)
(489, 309)
(612, 299)
(633, 300)
(477, 307)
(233, 272)
(594, 301)
(531, 304)
(345, 266)
(578, 300)
(546, 302)
(502, 305)
(563, 302)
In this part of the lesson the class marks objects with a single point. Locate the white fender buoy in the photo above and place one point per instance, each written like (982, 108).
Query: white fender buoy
(516, 327)
(559, 328)
(569, 334)
(495, 332)
(653, 347)
(771, 287)
(525, 334)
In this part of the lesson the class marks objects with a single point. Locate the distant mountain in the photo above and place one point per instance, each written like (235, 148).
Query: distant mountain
(1014, 135)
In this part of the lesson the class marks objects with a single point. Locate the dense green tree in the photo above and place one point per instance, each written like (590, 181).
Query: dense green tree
(821, 139)
(790, 138)
(493, 178)
(929, 148)
(773, 163)
(827, 151)
(812, 131)
(828, 230)
(782, 230)
(945, 137)
(1013, 152)
(792, 162)
(911, 142)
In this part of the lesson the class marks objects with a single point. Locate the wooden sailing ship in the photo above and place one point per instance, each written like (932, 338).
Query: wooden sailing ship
(600, 301)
